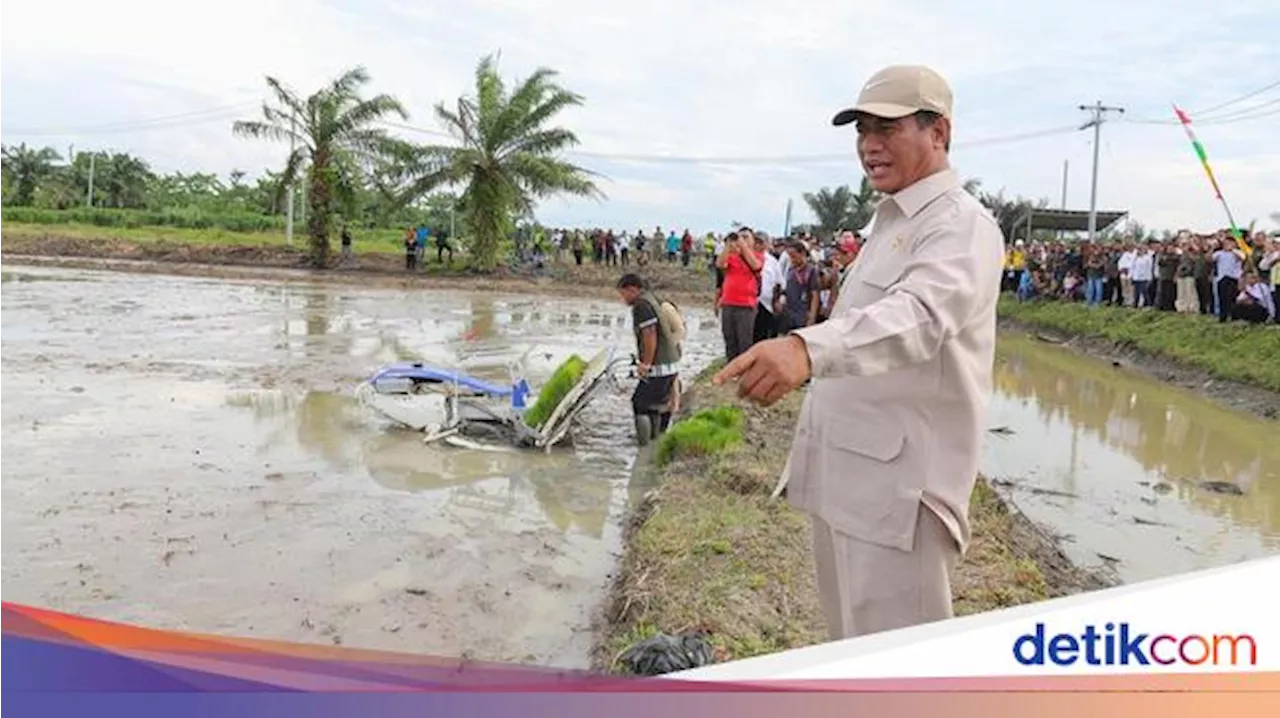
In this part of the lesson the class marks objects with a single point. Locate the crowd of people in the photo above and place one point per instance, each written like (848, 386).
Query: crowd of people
(766, 287)
(605, 246)
(416, 241)
(1192, 274)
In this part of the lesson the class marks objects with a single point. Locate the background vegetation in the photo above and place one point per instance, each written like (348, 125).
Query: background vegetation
(1234, 351)
(343, 168)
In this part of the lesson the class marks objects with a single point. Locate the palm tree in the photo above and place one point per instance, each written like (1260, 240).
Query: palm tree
(864, 205)
(124, 180)
(841, 208)
(334, 140)
(25, 168)
(831, 207)
(1007, 212)
(506, 156)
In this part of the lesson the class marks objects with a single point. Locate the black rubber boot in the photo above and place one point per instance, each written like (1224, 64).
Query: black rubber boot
(644, 429)
(663, 422)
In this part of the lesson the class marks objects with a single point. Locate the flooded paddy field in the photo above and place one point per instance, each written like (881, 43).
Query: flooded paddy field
(186, 454)
(1135, 474)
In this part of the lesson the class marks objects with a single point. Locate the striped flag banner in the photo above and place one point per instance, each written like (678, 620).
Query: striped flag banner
(1185, 119)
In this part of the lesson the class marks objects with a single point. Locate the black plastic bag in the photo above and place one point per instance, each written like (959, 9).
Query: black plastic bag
(667, 654)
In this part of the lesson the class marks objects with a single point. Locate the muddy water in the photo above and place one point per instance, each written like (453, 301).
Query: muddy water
(1138, 475)
(186, 454)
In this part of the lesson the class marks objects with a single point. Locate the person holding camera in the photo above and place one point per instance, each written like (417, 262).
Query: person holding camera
(741, 263)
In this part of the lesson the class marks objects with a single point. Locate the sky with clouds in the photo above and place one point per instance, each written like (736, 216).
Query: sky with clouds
(751, 82)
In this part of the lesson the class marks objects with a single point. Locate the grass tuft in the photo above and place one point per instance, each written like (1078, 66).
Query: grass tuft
(706, 433)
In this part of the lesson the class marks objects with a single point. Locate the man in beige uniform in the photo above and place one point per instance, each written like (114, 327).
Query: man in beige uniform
(887, 444)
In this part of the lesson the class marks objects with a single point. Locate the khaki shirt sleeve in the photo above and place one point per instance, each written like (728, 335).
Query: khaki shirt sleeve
(954, 271)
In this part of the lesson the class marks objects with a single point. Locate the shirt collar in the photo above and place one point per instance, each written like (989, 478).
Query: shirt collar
(915, 197)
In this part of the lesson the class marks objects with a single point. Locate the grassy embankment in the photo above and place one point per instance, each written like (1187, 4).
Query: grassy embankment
(376, 252)
(710, 550)
(1233, 351)
(379, 241)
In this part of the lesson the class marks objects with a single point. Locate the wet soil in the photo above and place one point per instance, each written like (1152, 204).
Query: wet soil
(186, 453)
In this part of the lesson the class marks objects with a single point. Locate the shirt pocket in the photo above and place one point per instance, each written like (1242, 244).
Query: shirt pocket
(870, 477)
(882, 274)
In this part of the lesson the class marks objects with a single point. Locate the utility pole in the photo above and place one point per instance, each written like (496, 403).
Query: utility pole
(1099, 112)
(1064, 183)
(1063, 207)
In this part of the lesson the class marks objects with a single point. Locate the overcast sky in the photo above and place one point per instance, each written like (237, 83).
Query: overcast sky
(702, 79)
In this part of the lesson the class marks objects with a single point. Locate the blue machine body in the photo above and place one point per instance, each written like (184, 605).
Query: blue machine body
(419, 372)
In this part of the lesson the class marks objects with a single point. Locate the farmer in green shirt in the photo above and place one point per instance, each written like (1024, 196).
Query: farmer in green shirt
(657, 359)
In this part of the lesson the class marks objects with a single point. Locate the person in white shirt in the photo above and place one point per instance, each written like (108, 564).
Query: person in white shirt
(624, 247)
(1228, 264)
(817, 253)
(784, 259)
(1144, 270)
(1125, 265)
(772, 280)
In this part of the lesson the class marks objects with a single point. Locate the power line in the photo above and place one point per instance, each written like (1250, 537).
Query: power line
(1245, 115)
(164, 122)
(761, 160)
(1215, 108)
(1233, 101)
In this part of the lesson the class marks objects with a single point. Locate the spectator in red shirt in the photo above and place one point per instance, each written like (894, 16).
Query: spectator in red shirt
(686, 248)
(741, 263)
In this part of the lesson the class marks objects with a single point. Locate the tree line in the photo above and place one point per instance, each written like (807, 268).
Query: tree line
(841, 207)
(505, 157)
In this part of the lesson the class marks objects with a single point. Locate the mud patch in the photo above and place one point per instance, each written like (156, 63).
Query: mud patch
(201, 464)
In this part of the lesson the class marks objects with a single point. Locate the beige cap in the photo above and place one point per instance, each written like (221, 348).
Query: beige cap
(899, 91)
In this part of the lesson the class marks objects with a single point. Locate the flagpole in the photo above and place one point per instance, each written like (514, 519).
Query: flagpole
(1185, 119)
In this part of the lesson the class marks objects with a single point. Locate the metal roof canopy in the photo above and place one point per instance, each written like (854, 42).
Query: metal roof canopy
(1065, 219)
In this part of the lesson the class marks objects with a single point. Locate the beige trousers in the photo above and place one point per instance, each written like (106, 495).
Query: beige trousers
(1188, 299)
(865, 588)
(1126, 291)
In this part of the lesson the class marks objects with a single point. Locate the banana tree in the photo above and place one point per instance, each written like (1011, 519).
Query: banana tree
(334, 135)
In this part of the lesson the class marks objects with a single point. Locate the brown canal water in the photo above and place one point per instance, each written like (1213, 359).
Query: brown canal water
(1137, 475)
(187, 454)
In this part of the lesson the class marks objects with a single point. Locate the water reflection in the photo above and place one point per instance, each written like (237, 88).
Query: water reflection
(316, 311)
(336, 429)
(1087, 430)
(483, 323)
